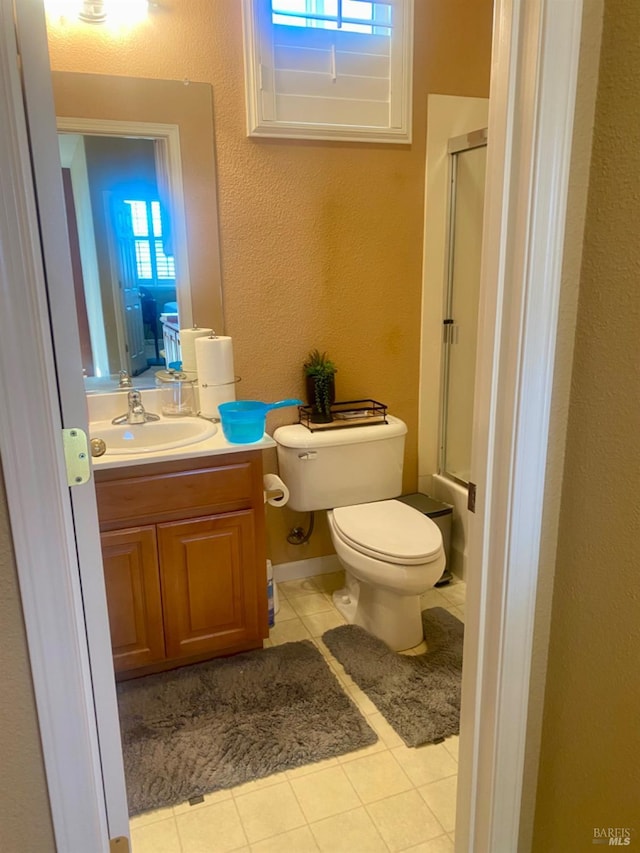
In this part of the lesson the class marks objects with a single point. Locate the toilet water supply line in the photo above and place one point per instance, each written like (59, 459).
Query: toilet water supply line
(297, 536)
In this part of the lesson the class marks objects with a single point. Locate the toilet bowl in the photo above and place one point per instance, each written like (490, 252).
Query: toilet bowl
(391, 554)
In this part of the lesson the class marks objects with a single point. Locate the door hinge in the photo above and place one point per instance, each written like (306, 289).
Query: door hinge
(76, 456)
(119, 844)
(471, 497)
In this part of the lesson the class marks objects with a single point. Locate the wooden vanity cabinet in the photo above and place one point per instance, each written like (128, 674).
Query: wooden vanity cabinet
(184, 560)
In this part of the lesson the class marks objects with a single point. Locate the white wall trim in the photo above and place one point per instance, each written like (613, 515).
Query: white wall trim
(297, 569)
(535, 60)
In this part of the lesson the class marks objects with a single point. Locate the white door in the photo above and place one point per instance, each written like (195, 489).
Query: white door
(39, 110)
(128, 299)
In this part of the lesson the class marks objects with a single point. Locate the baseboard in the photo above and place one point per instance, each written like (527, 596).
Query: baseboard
(306, 568)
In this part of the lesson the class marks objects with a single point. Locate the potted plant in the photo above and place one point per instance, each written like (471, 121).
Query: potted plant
(321, 389)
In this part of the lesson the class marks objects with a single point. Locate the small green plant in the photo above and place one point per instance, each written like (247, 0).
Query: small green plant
(320, 372)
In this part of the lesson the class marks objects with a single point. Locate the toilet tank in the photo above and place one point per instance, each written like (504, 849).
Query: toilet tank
(339, 467)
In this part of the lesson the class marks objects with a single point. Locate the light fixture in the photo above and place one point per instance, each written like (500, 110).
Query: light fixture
(115, 14)
(93, 11)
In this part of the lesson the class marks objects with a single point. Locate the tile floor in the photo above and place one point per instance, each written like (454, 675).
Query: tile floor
(385, 797)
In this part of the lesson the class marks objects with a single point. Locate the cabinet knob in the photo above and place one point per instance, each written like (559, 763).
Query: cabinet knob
(98, 447)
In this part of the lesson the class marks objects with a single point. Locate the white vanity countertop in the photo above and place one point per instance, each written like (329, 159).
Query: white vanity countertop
(103, 407)
(215, 445)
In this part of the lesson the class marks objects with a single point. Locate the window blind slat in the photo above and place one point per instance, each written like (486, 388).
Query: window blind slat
(321, 85)
(296, 109)
(302, 37)
(319, 61)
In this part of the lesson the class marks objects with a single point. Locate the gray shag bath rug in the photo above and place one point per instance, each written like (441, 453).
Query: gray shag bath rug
(218, 724)
(418, 695)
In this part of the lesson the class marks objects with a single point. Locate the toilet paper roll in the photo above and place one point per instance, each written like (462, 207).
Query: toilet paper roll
(214, 361)
(188, 339)
(212, 395)
(279, 492)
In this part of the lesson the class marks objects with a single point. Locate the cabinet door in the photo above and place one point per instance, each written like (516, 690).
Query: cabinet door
(210, 583)
(132, 581)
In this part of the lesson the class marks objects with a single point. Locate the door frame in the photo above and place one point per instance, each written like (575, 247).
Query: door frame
(534, 70)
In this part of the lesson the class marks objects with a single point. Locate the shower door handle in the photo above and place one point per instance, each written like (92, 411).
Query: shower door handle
(450, 331)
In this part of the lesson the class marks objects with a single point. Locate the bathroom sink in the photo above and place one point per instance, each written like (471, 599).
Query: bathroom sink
(153, 436)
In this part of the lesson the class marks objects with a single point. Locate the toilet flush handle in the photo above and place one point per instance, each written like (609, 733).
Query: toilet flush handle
(308, 455)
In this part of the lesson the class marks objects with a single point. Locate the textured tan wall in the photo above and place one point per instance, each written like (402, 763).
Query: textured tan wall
(590, 761)
(25, 822)
(321, 242)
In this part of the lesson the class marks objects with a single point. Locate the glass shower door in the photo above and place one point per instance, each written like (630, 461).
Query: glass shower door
(460, 323)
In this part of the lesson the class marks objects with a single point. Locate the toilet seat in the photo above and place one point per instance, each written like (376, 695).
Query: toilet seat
(390, 531)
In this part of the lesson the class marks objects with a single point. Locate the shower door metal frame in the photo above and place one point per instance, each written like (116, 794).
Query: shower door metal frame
(456, 146)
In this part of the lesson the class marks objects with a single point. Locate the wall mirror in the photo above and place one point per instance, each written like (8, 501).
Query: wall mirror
(138, 164)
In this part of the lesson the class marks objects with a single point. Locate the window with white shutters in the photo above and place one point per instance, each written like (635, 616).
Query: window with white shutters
(329, 69)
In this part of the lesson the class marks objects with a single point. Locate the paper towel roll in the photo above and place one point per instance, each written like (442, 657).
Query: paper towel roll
(212, 395)
(214, 361)
(273, 483)
(188, 339)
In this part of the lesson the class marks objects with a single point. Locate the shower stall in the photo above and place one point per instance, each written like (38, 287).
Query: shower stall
(454, 201)
(467, 164)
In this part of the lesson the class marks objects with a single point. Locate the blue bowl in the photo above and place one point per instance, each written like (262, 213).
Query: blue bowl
(243, 421)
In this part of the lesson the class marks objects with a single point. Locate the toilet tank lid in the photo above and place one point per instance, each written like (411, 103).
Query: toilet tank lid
(297, 435)
(390, 530)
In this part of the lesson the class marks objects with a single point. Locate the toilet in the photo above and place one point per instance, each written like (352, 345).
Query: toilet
(391, 552)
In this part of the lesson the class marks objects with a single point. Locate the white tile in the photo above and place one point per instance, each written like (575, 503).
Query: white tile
(455, 593)
(305, 605)
(288, 632)
(442, 844)
(404, 820)
(330, 582)
(158, 837)
(300, 586)
(365, 705)
(384, 730)
(318, 623)
(441, 799)
(209, 800)
(451, 744)
(373, 749)
(307, 769)
(217, 827)
(433, 598)
(258, 784)
(459, 612)
(152, 816)
(285, 611)
(326, 793)
(269, 811)
(377, 776)
(296, 841)
(426, 763)
(351, 832)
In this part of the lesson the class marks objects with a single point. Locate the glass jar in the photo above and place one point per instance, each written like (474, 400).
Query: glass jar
(177, 393)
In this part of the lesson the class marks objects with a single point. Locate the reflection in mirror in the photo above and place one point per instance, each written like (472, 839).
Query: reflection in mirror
(141, 181)
(120, 211)
(122, 249)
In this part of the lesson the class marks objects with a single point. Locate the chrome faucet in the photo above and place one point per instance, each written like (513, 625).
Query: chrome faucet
(125, 380)
(135, 413)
